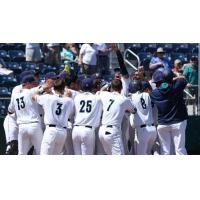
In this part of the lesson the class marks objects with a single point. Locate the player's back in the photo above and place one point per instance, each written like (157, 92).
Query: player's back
(114, 107)
(56, 109)
(143, 104)
(88, 109)
(25, 108)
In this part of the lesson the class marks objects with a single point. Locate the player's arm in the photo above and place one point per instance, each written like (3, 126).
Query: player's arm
(120, 59)
(130, 107)
(11, 107)
(46, 87)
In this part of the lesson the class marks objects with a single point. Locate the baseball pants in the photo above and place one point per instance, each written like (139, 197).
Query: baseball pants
(145, 139)
(173, 134)
(83, 138)
(29, 135)
(53, 140)
(68, 146)
(10, 128)
(111, 139)
(98, 146)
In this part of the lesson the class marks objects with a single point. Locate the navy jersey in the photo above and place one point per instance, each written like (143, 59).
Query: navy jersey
(170, 103)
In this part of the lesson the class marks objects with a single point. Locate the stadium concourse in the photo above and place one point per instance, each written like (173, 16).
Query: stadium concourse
(100, 61)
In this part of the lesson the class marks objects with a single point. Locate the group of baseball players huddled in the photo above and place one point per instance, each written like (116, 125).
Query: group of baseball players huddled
(70, 114)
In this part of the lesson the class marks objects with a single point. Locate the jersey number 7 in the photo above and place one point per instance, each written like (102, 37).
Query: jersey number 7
(111, 102)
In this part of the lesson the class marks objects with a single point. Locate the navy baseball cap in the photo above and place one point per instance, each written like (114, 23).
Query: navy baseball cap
(29, 79)
(64, 75)
(25, 73)
(145, 84)
(50, 75)
(157, 76)
(135, 86)
(86, 83)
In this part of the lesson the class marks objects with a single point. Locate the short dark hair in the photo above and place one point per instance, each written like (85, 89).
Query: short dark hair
(59, 84)
(116, 85)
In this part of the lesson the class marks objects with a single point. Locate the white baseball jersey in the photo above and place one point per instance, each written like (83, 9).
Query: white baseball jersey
(56, 109)
(143, 104)
(114, 107)
(24, 106)
(88, 109)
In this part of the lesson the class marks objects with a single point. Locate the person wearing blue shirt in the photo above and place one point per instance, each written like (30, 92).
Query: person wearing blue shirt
(172, 111)
(158, 62)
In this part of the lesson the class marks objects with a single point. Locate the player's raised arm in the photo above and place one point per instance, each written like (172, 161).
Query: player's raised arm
(122, 65)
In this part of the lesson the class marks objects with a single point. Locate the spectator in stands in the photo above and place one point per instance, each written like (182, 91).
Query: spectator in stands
(141, 73)
(158, 62)
(177, 67)
(67, 54)
(33, 52)
(191, 74)
(103, 61)
(52, 54)
(88, 58)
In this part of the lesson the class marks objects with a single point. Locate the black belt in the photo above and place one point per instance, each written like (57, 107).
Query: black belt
(109, 126)
(144, 125)
(53, 125)
(85, 126)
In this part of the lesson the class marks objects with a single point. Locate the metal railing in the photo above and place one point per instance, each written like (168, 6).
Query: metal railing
(128, 62)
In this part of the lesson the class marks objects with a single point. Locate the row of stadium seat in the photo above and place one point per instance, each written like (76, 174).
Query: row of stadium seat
(12, 46)
(168, 47)
(12, 55)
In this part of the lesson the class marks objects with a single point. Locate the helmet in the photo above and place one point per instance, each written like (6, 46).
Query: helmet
(134, 86)
(145, 84)
(157, 76)
(168, 75)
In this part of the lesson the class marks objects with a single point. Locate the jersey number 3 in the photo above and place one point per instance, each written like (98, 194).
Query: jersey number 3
(86, 106)
(58, 110)
(20, 103)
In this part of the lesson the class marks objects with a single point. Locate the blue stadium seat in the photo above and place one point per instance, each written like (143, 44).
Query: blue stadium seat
(136, 47)
(4, 55)
(29, 66)
(183, 57)
(15, 67)
(17, 55)
(144, 55)
(168, 48)
(8, 46)
(4, 92)
(20, 46)
(151, 47)
(8, 81)
(48, 68)
(181, 48)
(193, 47)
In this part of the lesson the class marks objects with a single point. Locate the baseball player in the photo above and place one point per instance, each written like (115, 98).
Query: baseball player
(28, 119)
(57, 110)
(71, 87)
(114, 107)
(172, 112)
(88, 110)
(143, 120)
(10, 123)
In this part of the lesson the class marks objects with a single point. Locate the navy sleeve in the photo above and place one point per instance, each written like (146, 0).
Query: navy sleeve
(180, 84)
(121, 63)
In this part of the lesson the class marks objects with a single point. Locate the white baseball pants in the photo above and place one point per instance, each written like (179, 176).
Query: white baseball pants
(83, 140)
(111, 139)
(29, 135)
(145, 139)
(53, 140)
(172, 135)
(10, 128)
